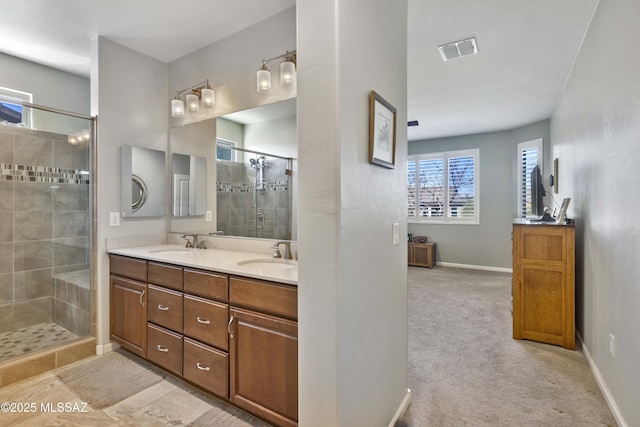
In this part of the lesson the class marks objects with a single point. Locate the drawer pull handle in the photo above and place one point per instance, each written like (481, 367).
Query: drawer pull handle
(163, 307)
(202, 368)
(162, 349)
(229, 327)
(203, 321)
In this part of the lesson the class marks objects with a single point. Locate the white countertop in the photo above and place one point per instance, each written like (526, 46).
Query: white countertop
(219, 260)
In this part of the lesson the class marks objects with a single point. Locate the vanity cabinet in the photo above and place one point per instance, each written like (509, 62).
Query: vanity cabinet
(234, 337)
(264, 333)
(543, 283)
(165, 307)
(164, 348)
(128, 296)
(206, 367)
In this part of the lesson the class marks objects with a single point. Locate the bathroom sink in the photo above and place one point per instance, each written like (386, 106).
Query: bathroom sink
(275, 263)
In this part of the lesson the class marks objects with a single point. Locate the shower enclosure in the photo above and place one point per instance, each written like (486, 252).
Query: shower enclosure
(254, 195)
(45, 229)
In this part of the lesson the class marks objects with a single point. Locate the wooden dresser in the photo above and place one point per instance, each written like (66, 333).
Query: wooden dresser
(544, 283)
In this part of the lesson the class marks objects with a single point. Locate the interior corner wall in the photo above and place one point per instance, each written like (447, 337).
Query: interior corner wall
(594, 133)
(128, 94)
(353, 347)
(487, 244)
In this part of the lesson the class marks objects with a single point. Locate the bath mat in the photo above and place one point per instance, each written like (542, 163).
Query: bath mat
(109, 379)
(228, 416)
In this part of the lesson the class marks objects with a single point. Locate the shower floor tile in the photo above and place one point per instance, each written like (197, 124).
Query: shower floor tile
(32, 338)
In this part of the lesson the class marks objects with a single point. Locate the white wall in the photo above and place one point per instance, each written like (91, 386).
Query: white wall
(231, 65)
(594, 134)
(352, 281)
(49, 87)
(128, 93)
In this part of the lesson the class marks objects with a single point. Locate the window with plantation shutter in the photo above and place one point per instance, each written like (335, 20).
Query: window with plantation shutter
(443, 187)
(529, 156)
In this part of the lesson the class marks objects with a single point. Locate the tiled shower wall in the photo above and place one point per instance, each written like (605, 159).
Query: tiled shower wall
(44, 224)
(236, 215)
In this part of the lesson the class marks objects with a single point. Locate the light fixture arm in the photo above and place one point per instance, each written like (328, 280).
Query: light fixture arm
(195, 89)
(290, 55)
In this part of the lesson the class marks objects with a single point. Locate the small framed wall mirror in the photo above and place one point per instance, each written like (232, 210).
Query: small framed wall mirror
(142, 182)
(188, 185)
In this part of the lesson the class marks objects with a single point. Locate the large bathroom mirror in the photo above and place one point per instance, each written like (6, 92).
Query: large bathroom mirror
(256, 172)
(142, 182)
(251, 170)
(188, 185)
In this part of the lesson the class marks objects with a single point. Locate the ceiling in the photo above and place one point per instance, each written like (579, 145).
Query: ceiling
(526, 48)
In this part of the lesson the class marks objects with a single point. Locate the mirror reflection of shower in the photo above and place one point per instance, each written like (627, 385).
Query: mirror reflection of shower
(259, 164)
(253, 193)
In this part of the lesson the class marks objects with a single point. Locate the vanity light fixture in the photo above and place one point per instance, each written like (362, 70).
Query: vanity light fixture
(201, 91)
(79, 138)
(287, 72)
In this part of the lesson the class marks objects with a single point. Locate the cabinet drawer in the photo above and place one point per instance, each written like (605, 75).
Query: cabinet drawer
(128, 267)
(206, 284)
(164, 348)
(206, 321)
(206, 367)
(264, 296)
(169, 276)
(165, 307)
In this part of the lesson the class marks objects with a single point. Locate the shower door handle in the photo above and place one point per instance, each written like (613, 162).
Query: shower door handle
(260, 220)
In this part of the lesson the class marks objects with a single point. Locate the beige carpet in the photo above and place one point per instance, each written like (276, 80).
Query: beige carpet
(106, 380)
(466, 370)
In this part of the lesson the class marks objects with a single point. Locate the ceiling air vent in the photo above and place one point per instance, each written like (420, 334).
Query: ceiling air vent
(457, 49)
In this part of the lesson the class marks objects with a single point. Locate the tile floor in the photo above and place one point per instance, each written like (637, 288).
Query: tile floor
(32, 338)
(169, 402)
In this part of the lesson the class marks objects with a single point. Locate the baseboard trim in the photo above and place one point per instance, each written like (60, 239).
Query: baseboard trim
(475, 267)
(402, 408)
(102, 349)
(608, 397)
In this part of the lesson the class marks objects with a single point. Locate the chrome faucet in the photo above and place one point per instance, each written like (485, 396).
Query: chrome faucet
(287, 250)
(191, 243)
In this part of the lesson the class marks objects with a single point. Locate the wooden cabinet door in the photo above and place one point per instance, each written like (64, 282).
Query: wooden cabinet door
(543, 284)
(129, 314)
(263, 353)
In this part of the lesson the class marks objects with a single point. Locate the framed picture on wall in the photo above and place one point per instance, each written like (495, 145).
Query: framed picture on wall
(382, 132)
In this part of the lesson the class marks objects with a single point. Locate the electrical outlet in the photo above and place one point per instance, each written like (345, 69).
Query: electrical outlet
(208, 216)
(114, 219)
(612, 345)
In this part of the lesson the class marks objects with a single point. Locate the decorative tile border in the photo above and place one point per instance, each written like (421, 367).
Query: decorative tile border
(25, 173)
(239, 187)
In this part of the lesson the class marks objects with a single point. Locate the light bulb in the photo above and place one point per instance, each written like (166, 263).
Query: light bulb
(208, 97)
(192, 102)
(177, 108)
(263, 80)
(287, 73)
